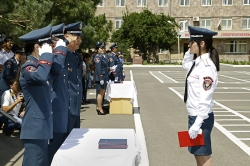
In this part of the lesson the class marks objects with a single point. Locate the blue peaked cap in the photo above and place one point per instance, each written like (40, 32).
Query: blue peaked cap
(39, 35)
(113, 45)
(58, 31)
(98, 45)
(74, 28)
(199, 33)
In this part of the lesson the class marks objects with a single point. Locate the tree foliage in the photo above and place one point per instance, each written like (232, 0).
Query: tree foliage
(22, 16)
(147, 31)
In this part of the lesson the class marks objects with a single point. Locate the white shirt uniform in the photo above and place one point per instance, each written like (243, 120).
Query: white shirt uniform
(202, 82)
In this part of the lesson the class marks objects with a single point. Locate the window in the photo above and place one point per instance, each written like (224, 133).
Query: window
(226, 24)
(162, 2)
(101, 3)
(206, 2)
(227, 2)
(141, 3)
(120, 3)
(118, 23)
(246, 23)
(236, 47)
(184, 25)
(206, 23)
(246, 2)
(184, 2)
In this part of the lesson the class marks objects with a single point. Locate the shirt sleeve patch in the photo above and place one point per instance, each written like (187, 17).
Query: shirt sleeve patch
(207, 83)
(97, 60)
(44, 62)
(8, 65)
(31, 69)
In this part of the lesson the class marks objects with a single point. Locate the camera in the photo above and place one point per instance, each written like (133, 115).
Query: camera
(21, 94)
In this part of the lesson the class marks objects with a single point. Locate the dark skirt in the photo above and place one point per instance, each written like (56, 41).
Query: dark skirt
(98, 86)
(206, 127)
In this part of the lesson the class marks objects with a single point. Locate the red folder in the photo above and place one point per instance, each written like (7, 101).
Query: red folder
(185, 140)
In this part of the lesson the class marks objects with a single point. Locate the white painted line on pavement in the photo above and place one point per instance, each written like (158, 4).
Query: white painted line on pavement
(221, 82)
(224, 115)
(242, 131)
(140, 132)
(235, 125)
(235, 140)
(243, 72)
(245, 89)
(156, 77)
(168, 77)
(229, 119)
(234, 78)
(244, 139)
(232, 100)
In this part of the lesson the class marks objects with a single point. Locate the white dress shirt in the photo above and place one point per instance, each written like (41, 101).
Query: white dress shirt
(202, 82)
(4, 56)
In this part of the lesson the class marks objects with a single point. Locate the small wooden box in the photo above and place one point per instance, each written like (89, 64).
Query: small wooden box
(120, 106)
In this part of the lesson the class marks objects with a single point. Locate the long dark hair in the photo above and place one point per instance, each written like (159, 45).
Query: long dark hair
(214, 55)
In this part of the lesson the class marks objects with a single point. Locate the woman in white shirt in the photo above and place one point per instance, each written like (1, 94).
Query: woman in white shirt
(201, 82)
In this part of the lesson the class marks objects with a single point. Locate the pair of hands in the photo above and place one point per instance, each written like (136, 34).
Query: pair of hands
(46, 48)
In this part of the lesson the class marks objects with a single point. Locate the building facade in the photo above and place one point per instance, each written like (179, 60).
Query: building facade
(230, 18)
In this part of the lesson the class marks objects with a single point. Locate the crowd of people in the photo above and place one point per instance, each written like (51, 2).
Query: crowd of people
(44, 84)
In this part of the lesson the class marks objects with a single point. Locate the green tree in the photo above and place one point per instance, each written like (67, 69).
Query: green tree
(147, 32)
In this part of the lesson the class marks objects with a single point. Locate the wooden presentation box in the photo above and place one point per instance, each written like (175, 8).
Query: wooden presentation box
(120, 106)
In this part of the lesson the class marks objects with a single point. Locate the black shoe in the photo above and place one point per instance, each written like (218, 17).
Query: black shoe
(87, 101)
(99, 112)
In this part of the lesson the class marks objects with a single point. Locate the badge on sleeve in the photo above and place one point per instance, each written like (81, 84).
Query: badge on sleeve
(207, 83)
(8, 65)
(110, 59)
(97, 60)
(31, 68)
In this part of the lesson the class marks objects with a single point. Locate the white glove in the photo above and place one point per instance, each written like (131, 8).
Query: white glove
(46, 48)
(116, 78)
(195, 128)
(101, 82)
(60, 42)
(114, 67)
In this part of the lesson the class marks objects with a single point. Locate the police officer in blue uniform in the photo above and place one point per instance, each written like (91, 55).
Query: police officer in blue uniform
(100, 75)
(60, 95)
(115, 64)
(10, 69)
(73, 65)
(36, 83)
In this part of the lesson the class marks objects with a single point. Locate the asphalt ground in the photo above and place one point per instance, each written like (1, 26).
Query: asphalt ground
(162, 114)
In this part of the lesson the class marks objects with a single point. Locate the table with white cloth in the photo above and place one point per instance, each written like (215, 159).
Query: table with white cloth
(121, 97)
(81, 149)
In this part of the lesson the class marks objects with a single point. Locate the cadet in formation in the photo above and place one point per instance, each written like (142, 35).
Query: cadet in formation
(115, 64)
(60, 95)
(36, 83)
(201, 82)
(73, 65)
(100, 75)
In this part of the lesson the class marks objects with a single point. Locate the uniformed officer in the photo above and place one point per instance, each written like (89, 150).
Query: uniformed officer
(100, 75)
(60, 96)
(36, 83)
(201, 82)
(115, 63)
(10, 69)
(73, 65)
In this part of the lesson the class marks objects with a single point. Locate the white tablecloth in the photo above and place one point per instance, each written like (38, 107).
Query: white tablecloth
(81, 149)
(127, 89)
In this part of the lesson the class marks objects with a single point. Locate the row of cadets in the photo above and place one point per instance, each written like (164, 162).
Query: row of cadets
(67, 86)
(36, 77)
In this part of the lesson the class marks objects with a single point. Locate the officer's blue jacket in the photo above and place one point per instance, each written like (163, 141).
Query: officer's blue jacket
(36, 83)
(60, 96)
(114, 60)
(101, 68)
(9, 72)
(73, 65)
